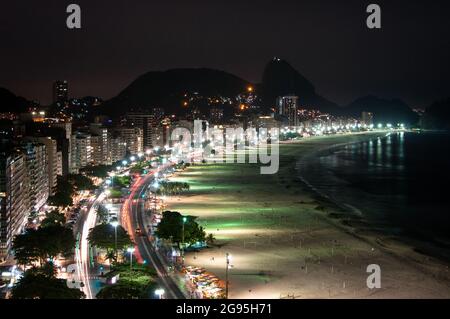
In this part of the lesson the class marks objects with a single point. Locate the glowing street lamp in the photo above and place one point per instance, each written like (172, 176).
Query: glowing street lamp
(115, 223)
(132, 158)
(148, 152)
(228, 259)
(124, 162)
(131, 251)
(182, 239)
(159, 293)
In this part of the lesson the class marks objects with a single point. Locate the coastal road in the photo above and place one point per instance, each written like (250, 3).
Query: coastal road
(82, 256)
(133, 217)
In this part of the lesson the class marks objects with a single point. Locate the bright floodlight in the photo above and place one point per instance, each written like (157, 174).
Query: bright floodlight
(148, 152)
(115, 223)
(159, 292)
(124, 162)
(131, 250)
(140, 154)
(184, 219)
(132, 158)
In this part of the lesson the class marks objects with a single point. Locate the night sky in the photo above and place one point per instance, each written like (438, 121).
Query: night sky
(327, 41)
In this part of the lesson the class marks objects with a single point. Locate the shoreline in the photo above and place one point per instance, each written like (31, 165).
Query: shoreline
(353, 216)
(290, 241)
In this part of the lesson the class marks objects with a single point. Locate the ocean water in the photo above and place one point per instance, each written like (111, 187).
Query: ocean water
(398, 184)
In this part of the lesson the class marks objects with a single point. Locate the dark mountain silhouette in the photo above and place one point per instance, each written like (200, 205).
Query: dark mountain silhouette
(9, 102)
(385, 111)
(280, 78)
(168, 88)
(437, 115)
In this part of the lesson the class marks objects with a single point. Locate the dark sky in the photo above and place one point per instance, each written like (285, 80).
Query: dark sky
(327, 41)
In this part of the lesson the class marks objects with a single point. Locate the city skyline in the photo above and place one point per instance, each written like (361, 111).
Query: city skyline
(213, 149)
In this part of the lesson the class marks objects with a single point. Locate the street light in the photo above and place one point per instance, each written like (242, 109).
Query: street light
(115, 223)
(124, 162)
(131, 251)
(182, 240)
(159, 293)
(228, 258)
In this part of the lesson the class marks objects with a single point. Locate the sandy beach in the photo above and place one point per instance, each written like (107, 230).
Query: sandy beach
(287, 242)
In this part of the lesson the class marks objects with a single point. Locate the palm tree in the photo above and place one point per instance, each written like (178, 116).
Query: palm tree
(210, 239)
(111, 256)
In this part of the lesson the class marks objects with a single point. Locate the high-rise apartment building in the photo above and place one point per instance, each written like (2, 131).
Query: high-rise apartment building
(60, 91)
(37, 169)
(14, 203)
(288, 108)
(146, 122)
(81, 151)
(118, 147)
(52, 160)
(367, 118)
(101, 144)
(133, 138)
(65, 144)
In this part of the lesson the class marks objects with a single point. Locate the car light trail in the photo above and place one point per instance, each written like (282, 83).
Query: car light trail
(82, 253)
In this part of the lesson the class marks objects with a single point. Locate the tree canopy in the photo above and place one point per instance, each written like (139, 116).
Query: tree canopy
(63, 195)
(38, 245)
(53, 217)
(102, 214)
(103, 236)
(121, 181)
(100, 171)
(171, 227)
(41, 283)
(81, 182)
(170, 188)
